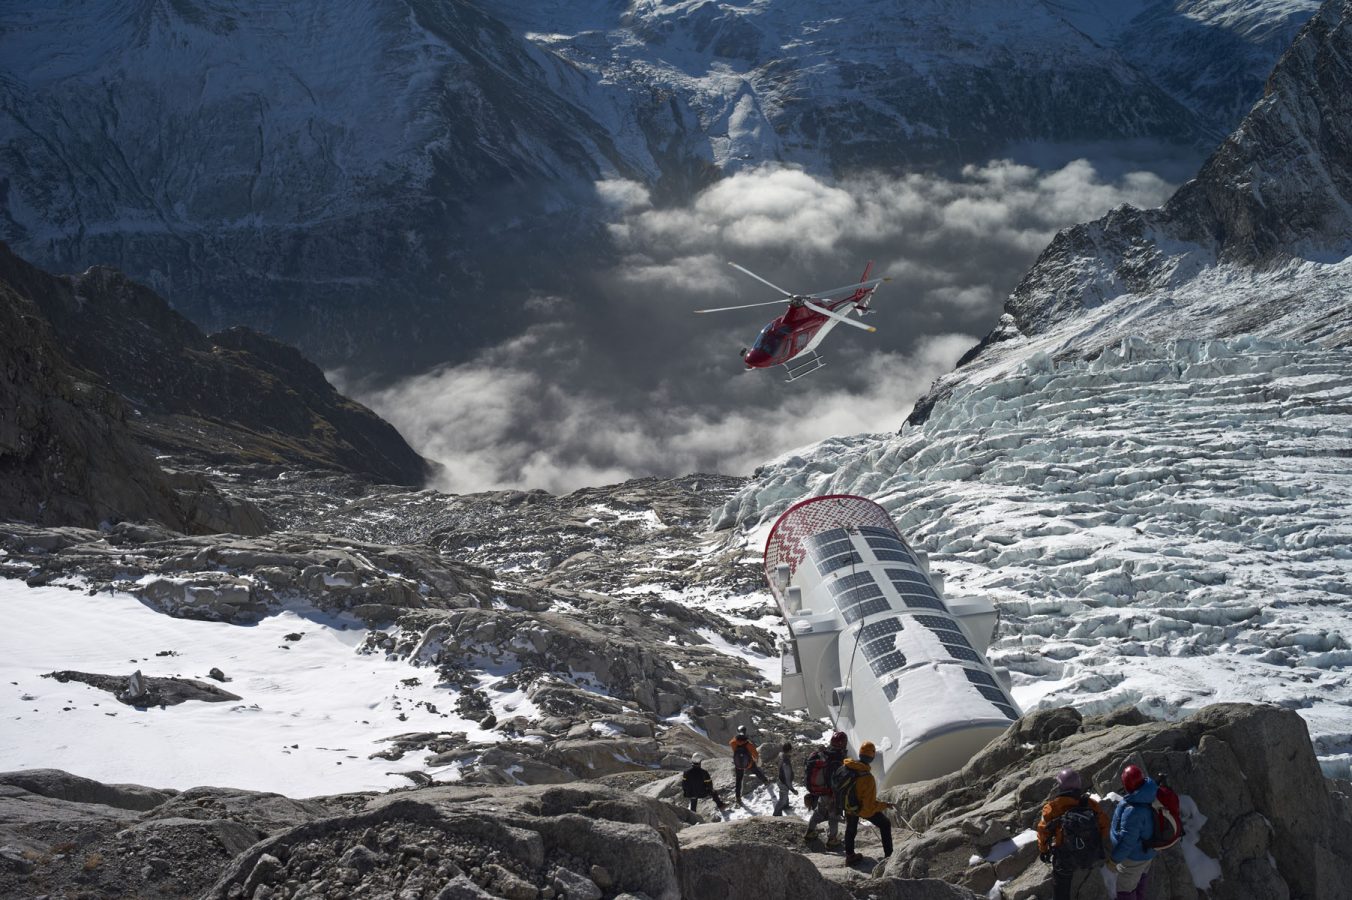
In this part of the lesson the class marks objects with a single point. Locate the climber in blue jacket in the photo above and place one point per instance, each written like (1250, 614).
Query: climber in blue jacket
(1132, 828)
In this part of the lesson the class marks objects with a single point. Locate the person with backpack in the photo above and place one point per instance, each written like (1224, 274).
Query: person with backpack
(697, 784)
(1072, 834)
(857, 796)
(785, 780)
(1132, 833)
(745, 758)
(817, 772)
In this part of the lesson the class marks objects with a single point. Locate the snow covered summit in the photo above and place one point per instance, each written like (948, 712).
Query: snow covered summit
(1257, 244)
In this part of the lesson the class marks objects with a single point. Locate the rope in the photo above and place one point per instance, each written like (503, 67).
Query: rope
(849, 679)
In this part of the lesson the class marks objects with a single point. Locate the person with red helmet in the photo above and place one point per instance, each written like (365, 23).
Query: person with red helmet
(1072, 834)
(821, 765)
(1132, 828)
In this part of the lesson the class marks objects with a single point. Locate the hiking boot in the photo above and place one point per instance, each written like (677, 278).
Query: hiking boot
(853, 859)
(833, 843)
(809, 836)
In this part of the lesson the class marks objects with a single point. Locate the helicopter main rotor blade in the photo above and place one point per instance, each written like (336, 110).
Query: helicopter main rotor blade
(746, 306)
(821, 295)
(760, 279)
(837, 316)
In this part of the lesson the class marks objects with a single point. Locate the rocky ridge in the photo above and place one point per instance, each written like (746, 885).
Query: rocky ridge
(1279, 187)
(68, 450)
(234, 396)
(1259, 819)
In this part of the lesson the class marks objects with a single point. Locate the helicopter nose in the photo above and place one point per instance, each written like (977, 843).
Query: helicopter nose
(754, 359)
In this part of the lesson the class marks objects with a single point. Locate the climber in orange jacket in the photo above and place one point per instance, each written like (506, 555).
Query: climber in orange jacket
(1072, 834)
(745, 758)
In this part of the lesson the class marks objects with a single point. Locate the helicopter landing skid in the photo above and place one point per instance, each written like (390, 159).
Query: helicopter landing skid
(806, 366)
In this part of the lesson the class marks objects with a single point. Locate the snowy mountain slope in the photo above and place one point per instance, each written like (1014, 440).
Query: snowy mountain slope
(305, 726)
(1213, 57)
(332, 174)
(1258, 243)
(1167, 526)
(876, 85)
(288, 166)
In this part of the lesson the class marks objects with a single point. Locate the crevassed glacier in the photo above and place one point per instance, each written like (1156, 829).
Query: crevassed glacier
(1167, 526)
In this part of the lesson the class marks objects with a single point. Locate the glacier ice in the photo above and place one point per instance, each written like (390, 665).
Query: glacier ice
(1168, 525)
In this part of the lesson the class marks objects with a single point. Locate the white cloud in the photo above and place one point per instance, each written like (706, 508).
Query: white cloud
(495, 423)
(622, 194)
(953, 228)
(618, 380)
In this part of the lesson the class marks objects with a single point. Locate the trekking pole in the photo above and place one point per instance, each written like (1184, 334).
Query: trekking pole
(902, 820)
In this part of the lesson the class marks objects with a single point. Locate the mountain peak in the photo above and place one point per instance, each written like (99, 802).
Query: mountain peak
(1278, 191)
(1280, 185)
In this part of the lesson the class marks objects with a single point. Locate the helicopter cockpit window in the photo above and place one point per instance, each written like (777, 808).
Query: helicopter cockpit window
(770, 339)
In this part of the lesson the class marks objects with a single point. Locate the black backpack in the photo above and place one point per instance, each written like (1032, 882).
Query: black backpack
(842, 787)
(693, 783)
(1081, 844)
(741, 757)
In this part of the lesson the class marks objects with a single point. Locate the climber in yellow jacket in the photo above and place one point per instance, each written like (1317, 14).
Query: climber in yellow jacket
(858, 796)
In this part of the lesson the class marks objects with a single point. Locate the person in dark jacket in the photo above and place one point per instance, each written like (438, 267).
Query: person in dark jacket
(785, 781)
(697, 784)
(745, 758)
(1133, 825)
(1070, 794)
(824, 807)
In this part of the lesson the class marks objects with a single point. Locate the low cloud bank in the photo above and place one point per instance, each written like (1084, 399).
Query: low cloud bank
(499, 423)
(616, 379)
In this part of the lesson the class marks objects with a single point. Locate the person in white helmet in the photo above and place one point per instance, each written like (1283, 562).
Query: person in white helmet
(697, 784)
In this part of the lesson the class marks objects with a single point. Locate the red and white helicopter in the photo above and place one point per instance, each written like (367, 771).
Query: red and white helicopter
(796, 334)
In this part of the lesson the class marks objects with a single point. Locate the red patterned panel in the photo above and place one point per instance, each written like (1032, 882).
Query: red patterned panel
(813, 516)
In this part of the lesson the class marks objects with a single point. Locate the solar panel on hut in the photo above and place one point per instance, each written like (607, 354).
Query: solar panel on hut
(875, 646)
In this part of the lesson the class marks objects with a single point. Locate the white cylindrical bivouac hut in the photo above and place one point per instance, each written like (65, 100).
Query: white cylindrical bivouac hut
(874, 644)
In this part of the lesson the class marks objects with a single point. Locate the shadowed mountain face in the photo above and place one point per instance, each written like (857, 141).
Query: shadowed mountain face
(364, 181)
(1278, 189)
(68, 454)
(234, 397)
